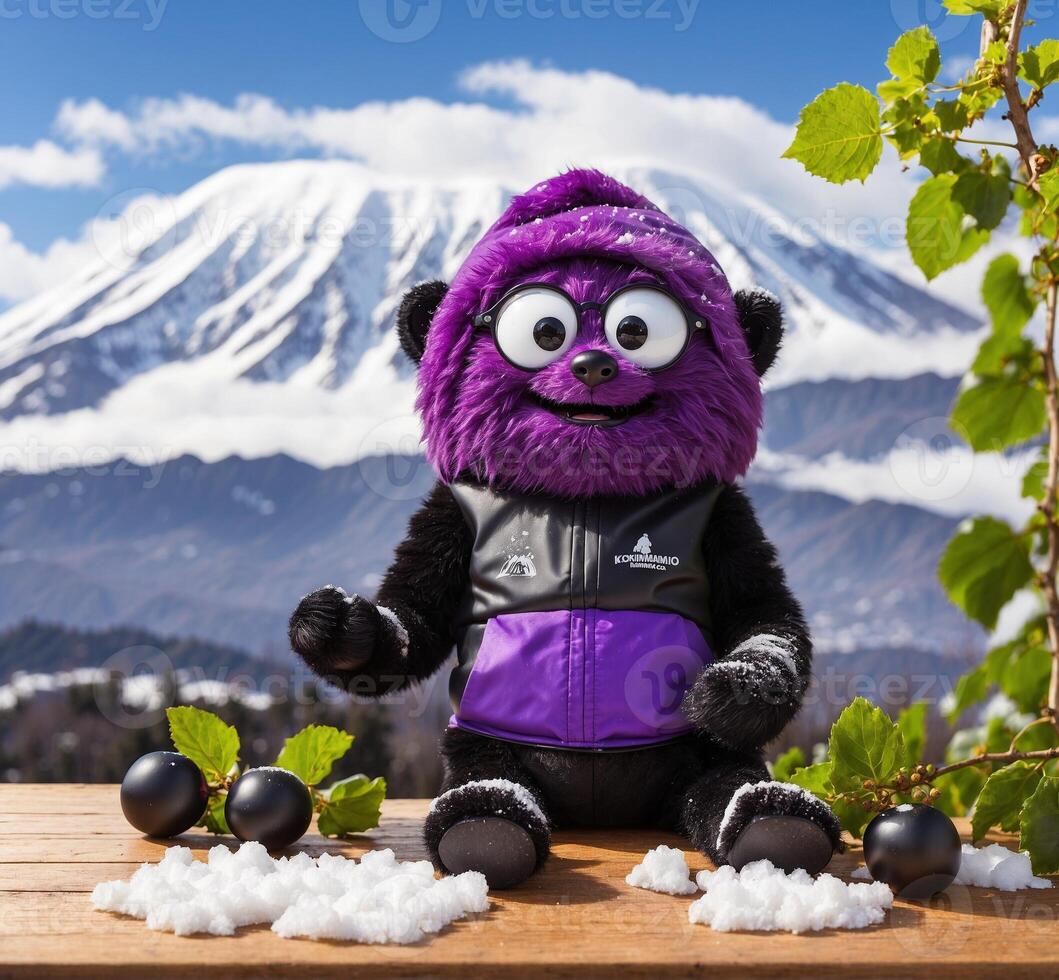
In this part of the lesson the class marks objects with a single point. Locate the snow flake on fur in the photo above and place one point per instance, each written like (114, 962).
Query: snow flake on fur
(398, 627)
(778, 649)
(769, 798)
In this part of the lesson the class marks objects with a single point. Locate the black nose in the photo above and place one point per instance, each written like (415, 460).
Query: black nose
(593, 367)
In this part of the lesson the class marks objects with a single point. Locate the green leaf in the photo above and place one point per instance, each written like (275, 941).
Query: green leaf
(915, 56)
(912, 724)
(1049, 186)
(1005, 294)
(939, 156)
(206, 740)
(838, 136)
(1002, 797)
(352, 806)
(1033, 481)
(983, 566)
(865, 744)
(935, 229)
(970, 689)
(815, 778)
(1000, 411)
(853, 817)
(988, 8)
(959, 790)
(1025, 680)
(1039, 65)
(214, 819)
(784, 766)
(313, 751)
(952, 116)
(998, 350)
(1039, 827)
(985, 197)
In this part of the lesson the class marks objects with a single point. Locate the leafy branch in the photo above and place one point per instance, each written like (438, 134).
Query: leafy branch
(348, 806)
(1003, 768)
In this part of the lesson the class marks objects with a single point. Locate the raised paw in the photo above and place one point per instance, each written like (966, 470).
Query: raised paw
(746, 700)
(780, 823)
(332, 631)
(493, 826)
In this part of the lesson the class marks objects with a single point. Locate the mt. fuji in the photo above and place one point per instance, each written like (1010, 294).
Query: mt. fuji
(235, 344)
(252, 313)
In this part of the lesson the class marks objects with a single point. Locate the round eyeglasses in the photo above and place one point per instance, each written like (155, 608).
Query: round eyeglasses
(534, 325)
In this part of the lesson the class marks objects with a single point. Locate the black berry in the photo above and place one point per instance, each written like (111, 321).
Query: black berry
(914, 848)
(271, 806)
(163, 794)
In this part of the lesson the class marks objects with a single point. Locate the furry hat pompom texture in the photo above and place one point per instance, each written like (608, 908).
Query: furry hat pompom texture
(590, 235)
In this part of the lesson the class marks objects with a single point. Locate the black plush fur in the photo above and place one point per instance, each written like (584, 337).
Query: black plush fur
(775, 799)
(356, 648)
(414, 314)
(762, 320)
(746, 709)
(469, 758)
(684, 785)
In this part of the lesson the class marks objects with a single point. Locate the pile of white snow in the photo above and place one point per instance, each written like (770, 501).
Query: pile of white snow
(762, 897)
(375, 900)
(997, 867)
(663, 869)
(994, 867)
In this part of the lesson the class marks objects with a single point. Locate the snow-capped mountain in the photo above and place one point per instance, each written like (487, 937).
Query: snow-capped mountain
(251, 317)
(289, 273)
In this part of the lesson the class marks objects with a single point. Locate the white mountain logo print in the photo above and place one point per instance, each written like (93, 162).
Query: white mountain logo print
(643, 556)
(519, 562)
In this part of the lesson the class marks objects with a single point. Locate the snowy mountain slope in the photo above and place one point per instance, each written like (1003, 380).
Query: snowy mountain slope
(288, 273)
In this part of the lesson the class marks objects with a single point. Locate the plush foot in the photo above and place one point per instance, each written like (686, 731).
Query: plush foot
(788, 842)
(494, 826)
(501, 850)
(781, 823)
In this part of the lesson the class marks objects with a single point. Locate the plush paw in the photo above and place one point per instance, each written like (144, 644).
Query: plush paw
(780, 823)
(493, 826)
(788, 842)
(332, 631)
(746, 700)
(497, 848)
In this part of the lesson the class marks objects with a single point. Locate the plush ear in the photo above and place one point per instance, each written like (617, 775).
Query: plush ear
(416, 311)
(762, 322)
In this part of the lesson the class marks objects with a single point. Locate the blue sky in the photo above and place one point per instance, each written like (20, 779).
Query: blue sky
(311, 53)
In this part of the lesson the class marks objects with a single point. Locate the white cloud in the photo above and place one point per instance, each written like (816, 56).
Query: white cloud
(546, 119)
(557, 119)
(952, 481)
(46, 164)
(25, 273)
(93, 123)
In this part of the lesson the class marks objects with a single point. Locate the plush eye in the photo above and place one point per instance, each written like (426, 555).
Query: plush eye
(646, 327)
(535, 327)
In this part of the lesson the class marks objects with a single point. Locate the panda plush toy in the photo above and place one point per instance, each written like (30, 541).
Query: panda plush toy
(590, 393)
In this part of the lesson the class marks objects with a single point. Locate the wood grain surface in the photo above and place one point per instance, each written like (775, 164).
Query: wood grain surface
(577, 918)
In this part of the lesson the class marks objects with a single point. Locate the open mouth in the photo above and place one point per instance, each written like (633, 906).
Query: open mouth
(588, 414)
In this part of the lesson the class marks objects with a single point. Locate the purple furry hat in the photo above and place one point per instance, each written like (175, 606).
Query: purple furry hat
(589, 235)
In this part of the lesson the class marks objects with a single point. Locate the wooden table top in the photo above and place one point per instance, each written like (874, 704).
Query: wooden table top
(577, 918)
